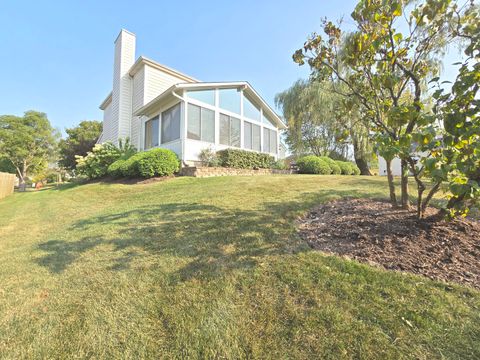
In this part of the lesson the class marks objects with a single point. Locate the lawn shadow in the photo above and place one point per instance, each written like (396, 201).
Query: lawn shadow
(208, 240)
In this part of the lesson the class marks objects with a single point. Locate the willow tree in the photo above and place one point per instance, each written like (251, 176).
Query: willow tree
(317, 124)
(395, 48)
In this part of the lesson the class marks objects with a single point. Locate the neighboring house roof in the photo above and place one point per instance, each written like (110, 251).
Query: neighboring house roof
(205, 85)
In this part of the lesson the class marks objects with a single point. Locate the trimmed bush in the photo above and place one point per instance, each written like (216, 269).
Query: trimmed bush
(115, 169)
(335, 169)
(346, 167)
(155, 162)
(313, 165)
(243, 159)
(355, 168)
(147, 164)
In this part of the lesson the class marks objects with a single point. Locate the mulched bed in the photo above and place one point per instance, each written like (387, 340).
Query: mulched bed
(371, 231)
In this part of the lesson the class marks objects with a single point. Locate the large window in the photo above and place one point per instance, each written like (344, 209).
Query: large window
(251, 138)
(229, 130)
(229, 100)
(201, 124)
(269, 141)
(206, 96)
(151, 133)
(267, 120)
(171, 124)
(250, 110)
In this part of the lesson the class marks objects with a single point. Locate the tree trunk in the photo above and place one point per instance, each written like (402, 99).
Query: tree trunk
(21, 178)
(391, 185)
(359, 160)
(404, 185)
(363, 166)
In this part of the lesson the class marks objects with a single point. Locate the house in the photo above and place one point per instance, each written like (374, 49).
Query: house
(395, 165)
(157, 106)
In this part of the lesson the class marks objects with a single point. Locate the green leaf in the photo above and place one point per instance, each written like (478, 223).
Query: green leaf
(397, 9)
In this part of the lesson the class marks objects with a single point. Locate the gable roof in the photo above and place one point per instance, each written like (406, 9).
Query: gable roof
(142, 60)
(206, 85)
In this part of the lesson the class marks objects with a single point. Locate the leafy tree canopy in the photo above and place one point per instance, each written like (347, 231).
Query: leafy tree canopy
(385, 66)
(28, 142)
(80, 140)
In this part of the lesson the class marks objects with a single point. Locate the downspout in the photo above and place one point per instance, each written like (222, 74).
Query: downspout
(182, 138)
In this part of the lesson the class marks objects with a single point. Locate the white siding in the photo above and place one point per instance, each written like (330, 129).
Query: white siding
(138, 92)
(156, 82)
(396, 167)
(122, 85)
(108, 124)
(138, 89)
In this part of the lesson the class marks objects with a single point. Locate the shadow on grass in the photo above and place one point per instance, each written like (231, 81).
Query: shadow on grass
(209, 240)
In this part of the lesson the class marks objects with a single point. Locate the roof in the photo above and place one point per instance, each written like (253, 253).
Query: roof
(142, 60)
(205, 85)
(105, 102)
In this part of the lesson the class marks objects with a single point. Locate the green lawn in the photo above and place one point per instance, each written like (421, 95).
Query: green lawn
(209, 268)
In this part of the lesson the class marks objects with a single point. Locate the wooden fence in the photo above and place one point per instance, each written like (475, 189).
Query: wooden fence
(7, 182)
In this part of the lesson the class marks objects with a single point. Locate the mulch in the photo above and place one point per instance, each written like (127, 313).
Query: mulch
(373, 232)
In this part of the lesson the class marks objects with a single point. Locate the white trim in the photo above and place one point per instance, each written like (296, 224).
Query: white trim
(245, 85)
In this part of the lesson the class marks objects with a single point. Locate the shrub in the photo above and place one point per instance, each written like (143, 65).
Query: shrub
(280, 164)
(243, 159)
(155, 162)
(356, 169)
(312, 164)
(116, 168)
(208, 157)
(95, 164)
(346, 167)
(335, 169)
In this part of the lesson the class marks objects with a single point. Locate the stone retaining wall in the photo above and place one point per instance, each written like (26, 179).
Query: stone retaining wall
(222, 171)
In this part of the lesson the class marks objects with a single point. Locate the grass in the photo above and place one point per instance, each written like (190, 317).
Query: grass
(209, 268)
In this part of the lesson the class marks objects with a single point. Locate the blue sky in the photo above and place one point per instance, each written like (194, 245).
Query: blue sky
(57, 56)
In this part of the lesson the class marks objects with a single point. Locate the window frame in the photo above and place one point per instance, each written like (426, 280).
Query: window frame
(201, 122)
(245, 122)
(179, 124)
(230, 118)
(145, 124)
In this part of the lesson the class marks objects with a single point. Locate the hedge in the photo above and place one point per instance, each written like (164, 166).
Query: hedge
(147, 164)
(348, 168)
(243, 159)
(335, 169)
(312, 164)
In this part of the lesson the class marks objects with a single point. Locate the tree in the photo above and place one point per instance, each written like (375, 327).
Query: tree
(316, 124)
(385, 65)
(7, 166)
(459, 110)
(80, 140)
(28, 142)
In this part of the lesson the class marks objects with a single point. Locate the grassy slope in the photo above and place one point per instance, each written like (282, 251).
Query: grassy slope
(206, 268)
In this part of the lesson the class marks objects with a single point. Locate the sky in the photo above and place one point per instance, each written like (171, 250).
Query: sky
(57, 56)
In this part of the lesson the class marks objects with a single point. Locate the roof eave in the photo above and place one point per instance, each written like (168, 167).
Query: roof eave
(142, 60)
(105, 102)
